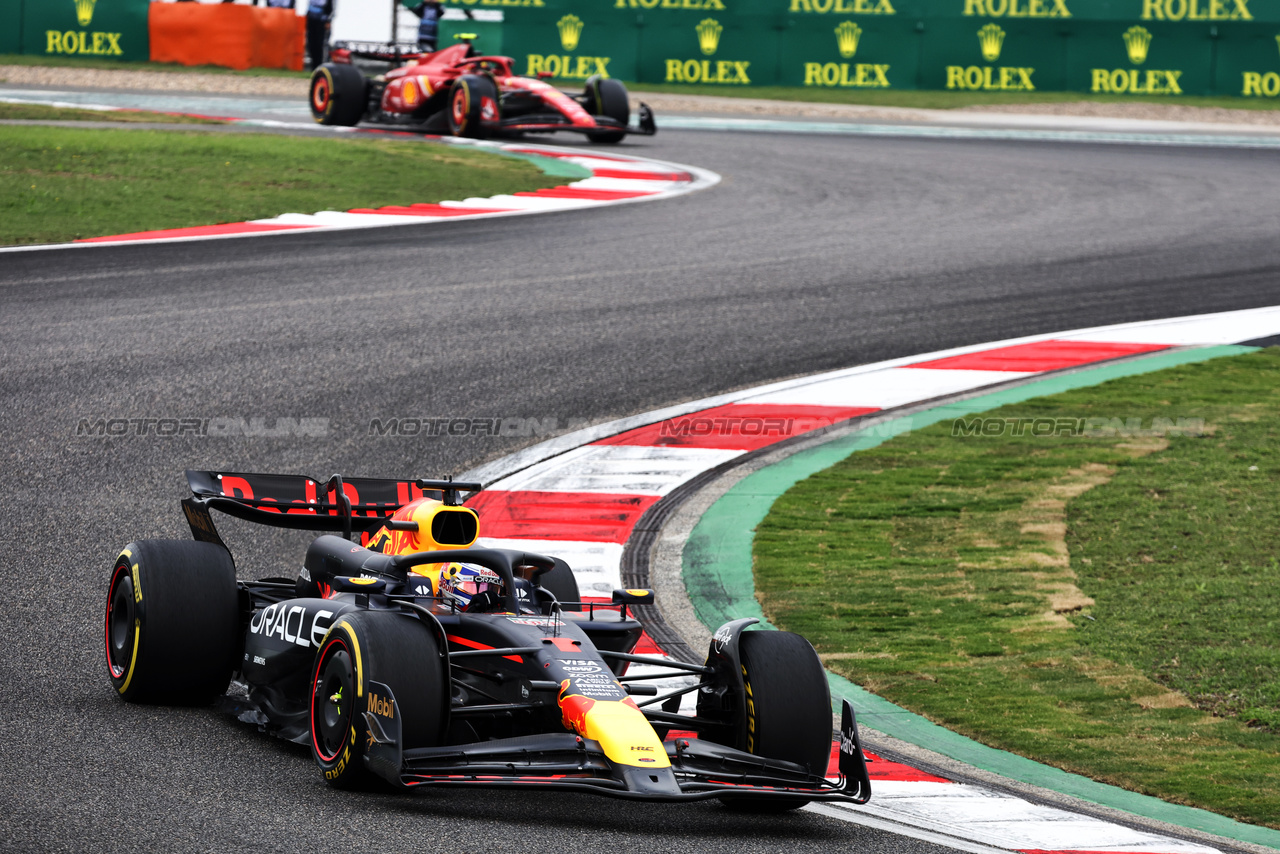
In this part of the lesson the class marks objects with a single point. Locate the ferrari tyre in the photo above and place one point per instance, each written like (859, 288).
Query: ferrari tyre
(339, 94)
(562, 584)
(608, 97)
(365, 647)
(788, 707)
(172, 622)
(466, 105)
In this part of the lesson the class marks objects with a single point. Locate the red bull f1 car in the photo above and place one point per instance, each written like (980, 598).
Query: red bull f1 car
(456, 91)
(402, 654)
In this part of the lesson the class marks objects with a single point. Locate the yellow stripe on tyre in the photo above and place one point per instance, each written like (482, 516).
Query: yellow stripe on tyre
(137, 637)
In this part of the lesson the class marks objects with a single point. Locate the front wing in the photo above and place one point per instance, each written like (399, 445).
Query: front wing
(548, 121)
(700, 769)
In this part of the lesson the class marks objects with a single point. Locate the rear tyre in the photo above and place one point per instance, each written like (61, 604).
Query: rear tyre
(467, 105)
(172, 621)
(562, 584)
(339, 94)
(607, 97)
(788, 707)
(363, 647)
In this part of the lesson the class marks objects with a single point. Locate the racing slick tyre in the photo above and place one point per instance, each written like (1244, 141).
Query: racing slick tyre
(339, 94)
(365, 647)
(562, 584)
(607, 97)
(788, 707)
(466, 105)
(173, 617)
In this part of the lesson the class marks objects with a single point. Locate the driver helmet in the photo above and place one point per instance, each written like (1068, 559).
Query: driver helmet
(460, 583)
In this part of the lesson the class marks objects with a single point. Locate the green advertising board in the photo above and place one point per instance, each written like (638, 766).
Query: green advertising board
(1248, 61)
(870, 53)
(104, 29)
(1147, 58)
(488, 35)
(10, 26)
(691, 47)
(1120, 47)
(1117, 47)
(574, 46)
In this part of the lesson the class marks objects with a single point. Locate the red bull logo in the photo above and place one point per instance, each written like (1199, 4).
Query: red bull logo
(618, 725)
(573, 710)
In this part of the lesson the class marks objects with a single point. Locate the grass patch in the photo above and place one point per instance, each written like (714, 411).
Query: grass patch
(42, 112)
(1104, 603)
(161, 67)
(934, 100)
(59, 184)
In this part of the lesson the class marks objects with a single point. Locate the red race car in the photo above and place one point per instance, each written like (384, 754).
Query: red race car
(456, 91)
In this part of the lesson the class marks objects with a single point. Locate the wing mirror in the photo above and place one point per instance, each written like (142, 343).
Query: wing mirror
(633, 597)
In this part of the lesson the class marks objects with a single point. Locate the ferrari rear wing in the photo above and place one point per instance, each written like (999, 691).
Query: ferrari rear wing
(343, 52)
(303, 503)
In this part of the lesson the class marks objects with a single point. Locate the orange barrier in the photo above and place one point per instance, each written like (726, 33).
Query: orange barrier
(226, 34)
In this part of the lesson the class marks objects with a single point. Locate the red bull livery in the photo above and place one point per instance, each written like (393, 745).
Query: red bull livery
(401, 653)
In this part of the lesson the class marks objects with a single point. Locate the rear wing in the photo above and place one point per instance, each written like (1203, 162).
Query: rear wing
(344, 51)
(302, 503)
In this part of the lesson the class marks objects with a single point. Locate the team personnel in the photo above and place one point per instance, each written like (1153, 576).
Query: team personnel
(319, 14)
(428, 31)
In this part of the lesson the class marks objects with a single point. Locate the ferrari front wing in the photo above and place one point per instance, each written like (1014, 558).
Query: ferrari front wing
(549, 121)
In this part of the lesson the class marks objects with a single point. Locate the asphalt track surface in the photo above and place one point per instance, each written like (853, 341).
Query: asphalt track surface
(813, 254)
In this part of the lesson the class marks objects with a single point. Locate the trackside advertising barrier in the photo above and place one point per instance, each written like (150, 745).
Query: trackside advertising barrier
(102, 29)
(1122, 47)
(10, 26)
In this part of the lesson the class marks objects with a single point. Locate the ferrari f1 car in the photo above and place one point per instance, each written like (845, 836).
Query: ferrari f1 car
(456, 91)
(403, 655)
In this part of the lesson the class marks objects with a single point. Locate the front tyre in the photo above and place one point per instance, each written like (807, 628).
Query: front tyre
(173, 615)
(473, 102)
(788, 707)
(362, 648)
(339, 95)
(607, 97)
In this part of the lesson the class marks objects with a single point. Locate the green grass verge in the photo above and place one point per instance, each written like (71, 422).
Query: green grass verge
(1103, 603)
(58, 184)
(933, 100)
(41, 112)
(161, 67)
